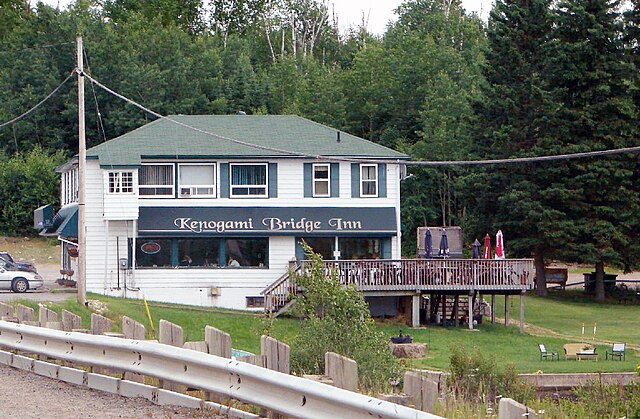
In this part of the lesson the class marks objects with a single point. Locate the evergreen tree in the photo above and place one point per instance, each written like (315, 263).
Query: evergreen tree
(511, 119)
(590, 76)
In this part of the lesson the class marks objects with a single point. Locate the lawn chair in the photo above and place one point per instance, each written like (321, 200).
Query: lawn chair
(544, 354)
(617, 350)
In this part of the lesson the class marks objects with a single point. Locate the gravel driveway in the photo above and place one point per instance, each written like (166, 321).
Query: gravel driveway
(26, 395)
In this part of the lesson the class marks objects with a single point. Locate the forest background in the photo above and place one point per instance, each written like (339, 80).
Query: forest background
(539, 78)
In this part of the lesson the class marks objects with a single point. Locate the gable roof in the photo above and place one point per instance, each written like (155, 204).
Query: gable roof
(163, 139)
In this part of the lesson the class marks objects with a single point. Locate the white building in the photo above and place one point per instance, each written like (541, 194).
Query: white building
(168, 206)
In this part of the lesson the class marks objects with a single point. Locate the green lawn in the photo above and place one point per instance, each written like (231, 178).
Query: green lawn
(554, 322)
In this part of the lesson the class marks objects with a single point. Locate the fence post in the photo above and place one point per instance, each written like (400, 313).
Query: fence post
(218, 342)
(342, 370)
(6, 310)
(276, 353)
(511, 409)
(132, 329)
(100, 324)
(424, 391)
(45, 315)
(24, 313)
(70, 321)
(171, 334)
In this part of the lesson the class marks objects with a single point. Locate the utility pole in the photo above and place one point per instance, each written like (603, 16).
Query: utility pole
(82, 159)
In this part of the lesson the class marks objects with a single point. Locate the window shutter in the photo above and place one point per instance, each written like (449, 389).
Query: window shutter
(308, 180)
(355, 180)
(382, 180)
(273, 180)
(335, 180)
(224, 180)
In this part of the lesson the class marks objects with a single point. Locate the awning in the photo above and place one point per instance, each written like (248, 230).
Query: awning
(65, 223)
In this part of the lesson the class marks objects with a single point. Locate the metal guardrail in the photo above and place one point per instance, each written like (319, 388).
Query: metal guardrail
(278, 392)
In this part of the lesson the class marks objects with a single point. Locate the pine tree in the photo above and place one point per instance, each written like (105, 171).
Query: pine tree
(591, 79)
(510, 120)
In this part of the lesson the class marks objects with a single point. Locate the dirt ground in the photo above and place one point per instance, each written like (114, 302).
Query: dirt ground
(29, 396)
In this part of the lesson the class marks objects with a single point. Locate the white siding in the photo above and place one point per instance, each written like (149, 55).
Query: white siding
(193, 285)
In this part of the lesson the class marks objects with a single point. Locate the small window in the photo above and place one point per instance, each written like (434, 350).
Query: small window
(369, 180)
(121, 182)
(156, 180)
(255, 302)
(321, 184)
(249, 180)
(197, 180)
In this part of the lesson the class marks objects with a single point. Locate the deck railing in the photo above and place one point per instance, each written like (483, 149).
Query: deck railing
(418, 275)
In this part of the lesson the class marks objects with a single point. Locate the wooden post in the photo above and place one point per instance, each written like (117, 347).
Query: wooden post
(171, 334)
(24, 313)
(415, 311)
(132, 329)
(506, 310)
(522, 312)
(277, 354)
(456, 309)
(470, 308)
(82, 163)
(218, 342)
(6, 310)
(493, 309)
(70, 321)
(100, 324)
(342, 370)
(45, 315)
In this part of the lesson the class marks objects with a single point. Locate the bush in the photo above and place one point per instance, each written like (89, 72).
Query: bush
(337, 319)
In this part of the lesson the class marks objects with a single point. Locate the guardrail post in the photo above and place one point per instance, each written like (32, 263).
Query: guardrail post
(132, 329)
(424, 391)
(171, 334)
(100, 324)
(70, 321)
(6, 310)
(511, 409)
(45, 315)
(276, 353)
(218, 342)
(24, 313)
(342, 370)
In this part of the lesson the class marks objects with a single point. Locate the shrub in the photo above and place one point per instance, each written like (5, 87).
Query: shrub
(337, 319)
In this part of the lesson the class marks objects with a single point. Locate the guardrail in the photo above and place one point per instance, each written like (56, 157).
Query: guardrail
(278, 392)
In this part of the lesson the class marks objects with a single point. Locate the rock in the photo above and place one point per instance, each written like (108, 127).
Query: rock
(410, 350)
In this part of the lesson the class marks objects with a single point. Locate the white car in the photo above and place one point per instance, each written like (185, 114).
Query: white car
(18, 280)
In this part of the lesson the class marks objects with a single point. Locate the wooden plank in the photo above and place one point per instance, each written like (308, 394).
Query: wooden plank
(219, 342)
(132, 329)
(70, 321)
(342, 370)
(171, 334)
(24, 313)
(424, 391)
(45, 315)
(258, 360)
(200, 346)
(277, 354)
(100, 324)
(6, 310)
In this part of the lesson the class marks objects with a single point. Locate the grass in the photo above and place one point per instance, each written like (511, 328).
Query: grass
(555, 322)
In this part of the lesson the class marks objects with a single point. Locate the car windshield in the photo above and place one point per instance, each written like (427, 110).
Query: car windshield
(6, 256)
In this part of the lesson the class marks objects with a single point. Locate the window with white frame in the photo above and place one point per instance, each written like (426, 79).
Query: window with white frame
(249, 180)
(321, 183)
(69, 186)
(156, 180)
(197, 180)
(369, 180)
(120, 182)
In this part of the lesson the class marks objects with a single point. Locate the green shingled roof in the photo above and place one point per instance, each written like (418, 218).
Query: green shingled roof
(164, 139)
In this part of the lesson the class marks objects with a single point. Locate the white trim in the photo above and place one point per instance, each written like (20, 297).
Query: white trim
(266, 183)
(362, 180)
(213, 186)
(118, 184)
(313, 180)
(172, 186)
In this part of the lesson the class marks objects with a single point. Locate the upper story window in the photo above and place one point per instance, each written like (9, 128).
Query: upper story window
(249, 180)
(121, 182)
(321, 180)
(69, 186)
(197, 180)
(156, 180)
(369, 180)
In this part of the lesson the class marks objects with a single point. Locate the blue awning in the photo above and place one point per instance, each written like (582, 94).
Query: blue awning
(65, 223)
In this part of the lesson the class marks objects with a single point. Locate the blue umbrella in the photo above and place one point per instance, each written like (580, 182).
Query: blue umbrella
(444, 244)
(475, 251)
(428, 245)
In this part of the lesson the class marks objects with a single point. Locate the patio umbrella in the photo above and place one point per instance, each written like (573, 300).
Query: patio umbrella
(428, 245)
(444, 244)
(486, 254)
(475, 251)
(499, 245)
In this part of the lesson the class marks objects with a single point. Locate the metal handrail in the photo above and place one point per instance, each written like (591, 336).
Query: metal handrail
(278, 392)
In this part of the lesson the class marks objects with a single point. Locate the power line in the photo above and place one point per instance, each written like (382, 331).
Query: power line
(515, 160)
(38, 104)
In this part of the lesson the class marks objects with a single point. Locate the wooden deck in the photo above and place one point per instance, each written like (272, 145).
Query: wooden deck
(396, 277)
